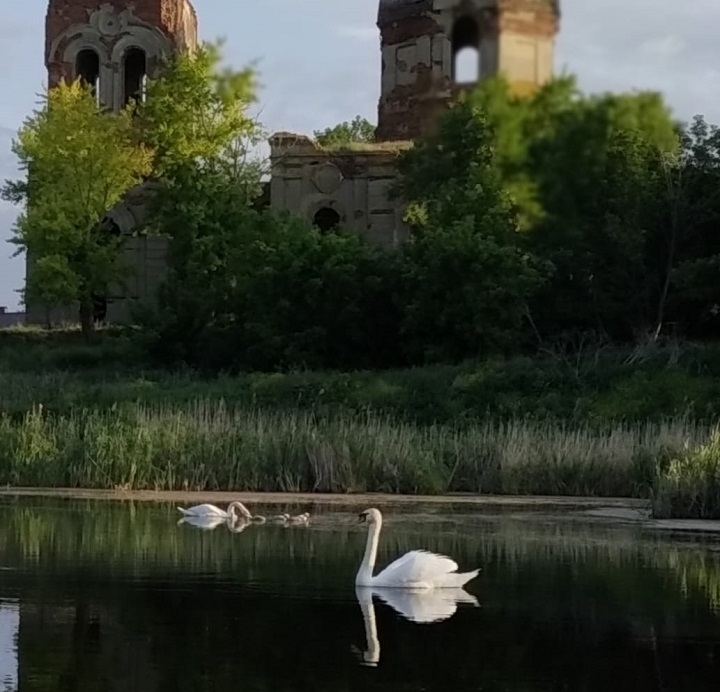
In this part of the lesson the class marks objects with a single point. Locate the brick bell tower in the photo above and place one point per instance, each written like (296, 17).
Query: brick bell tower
(422, 42)
(115, 45)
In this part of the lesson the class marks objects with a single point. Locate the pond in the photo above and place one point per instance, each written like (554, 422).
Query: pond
(119, 596)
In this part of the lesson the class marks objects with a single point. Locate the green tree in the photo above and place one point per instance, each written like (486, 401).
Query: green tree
(468, 276)
(586, 173)
(691, 243)
(196, 113)
(358, 130)
(196, 117)
(79, 161)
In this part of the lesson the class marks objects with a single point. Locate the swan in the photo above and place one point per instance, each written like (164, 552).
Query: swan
(418, 569)
(207, 510)
(424, 607)
(257, 519)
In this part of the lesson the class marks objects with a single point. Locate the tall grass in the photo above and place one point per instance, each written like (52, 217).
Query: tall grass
(206, 445)
(689, 487)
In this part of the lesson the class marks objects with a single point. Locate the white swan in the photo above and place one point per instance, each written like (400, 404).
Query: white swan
(208, 510)
(423, 607)
(418, 569)
(280, 518)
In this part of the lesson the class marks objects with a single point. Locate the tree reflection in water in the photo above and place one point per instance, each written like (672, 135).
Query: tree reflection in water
(117, 596)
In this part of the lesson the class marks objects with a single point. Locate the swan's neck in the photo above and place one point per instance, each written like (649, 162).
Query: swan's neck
(364, 575)
(238, 509)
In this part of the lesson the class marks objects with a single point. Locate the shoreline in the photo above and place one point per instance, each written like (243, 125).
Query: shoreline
(349, 499)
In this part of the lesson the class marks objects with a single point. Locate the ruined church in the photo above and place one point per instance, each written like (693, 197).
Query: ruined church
(115, 45)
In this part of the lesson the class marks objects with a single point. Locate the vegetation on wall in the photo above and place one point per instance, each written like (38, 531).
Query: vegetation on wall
(357, 130)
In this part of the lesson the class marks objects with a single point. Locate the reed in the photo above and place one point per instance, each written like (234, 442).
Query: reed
(206, 445)
(689, 486)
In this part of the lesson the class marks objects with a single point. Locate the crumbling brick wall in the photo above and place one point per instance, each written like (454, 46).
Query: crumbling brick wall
(418, 55)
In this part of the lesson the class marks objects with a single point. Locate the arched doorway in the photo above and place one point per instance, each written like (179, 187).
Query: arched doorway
(326, 219)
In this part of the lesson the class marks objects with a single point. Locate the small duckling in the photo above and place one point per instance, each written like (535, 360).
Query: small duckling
(299, 518)
(280, 518)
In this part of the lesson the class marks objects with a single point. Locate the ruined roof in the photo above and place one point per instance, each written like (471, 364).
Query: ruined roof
(390, 10)
(396, 9)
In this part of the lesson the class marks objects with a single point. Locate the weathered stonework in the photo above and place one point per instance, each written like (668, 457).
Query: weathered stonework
(354, 183)
(419, 43)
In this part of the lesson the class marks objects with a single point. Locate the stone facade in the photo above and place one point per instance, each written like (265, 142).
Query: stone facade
(347, 188)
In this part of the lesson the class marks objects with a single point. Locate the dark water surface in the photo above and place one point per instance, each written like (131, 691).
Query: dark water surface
(98, 596)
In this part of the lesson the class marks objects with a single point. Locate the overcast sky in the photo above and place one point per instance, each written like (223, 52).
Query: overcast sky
(319, 63)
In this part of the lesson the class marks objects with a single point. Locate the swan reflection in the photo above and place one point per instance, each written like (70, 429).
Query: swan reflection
(420, 606)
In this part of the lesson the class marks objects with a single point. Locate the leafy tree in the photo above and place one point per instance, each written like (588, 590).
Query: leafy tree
(358, 130)
(196, 116)
(468, 276)
(196, 112)
(691, 243)
(80, 161)
(208, 216)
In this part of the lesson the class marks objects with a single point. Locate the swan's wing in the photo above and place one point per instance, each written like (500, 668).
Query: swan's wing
(204, 509)
(427, 606)
(416, 566)
(206, 522)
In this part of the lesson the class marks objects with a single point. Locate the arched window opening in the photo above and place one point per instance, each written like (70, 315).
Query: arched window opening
(87, 68)
(100, 306)
(135, 70)
(326, 219)
(466, 51)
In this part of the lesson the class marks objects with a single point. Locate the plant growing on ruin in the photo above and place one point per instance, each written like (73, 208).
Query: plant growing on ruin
(79, 162)
(357, 130)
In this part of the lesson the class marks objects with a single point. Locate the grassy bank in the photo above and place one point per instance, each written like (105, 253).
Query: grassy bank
(207, 446)
(596, 387)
